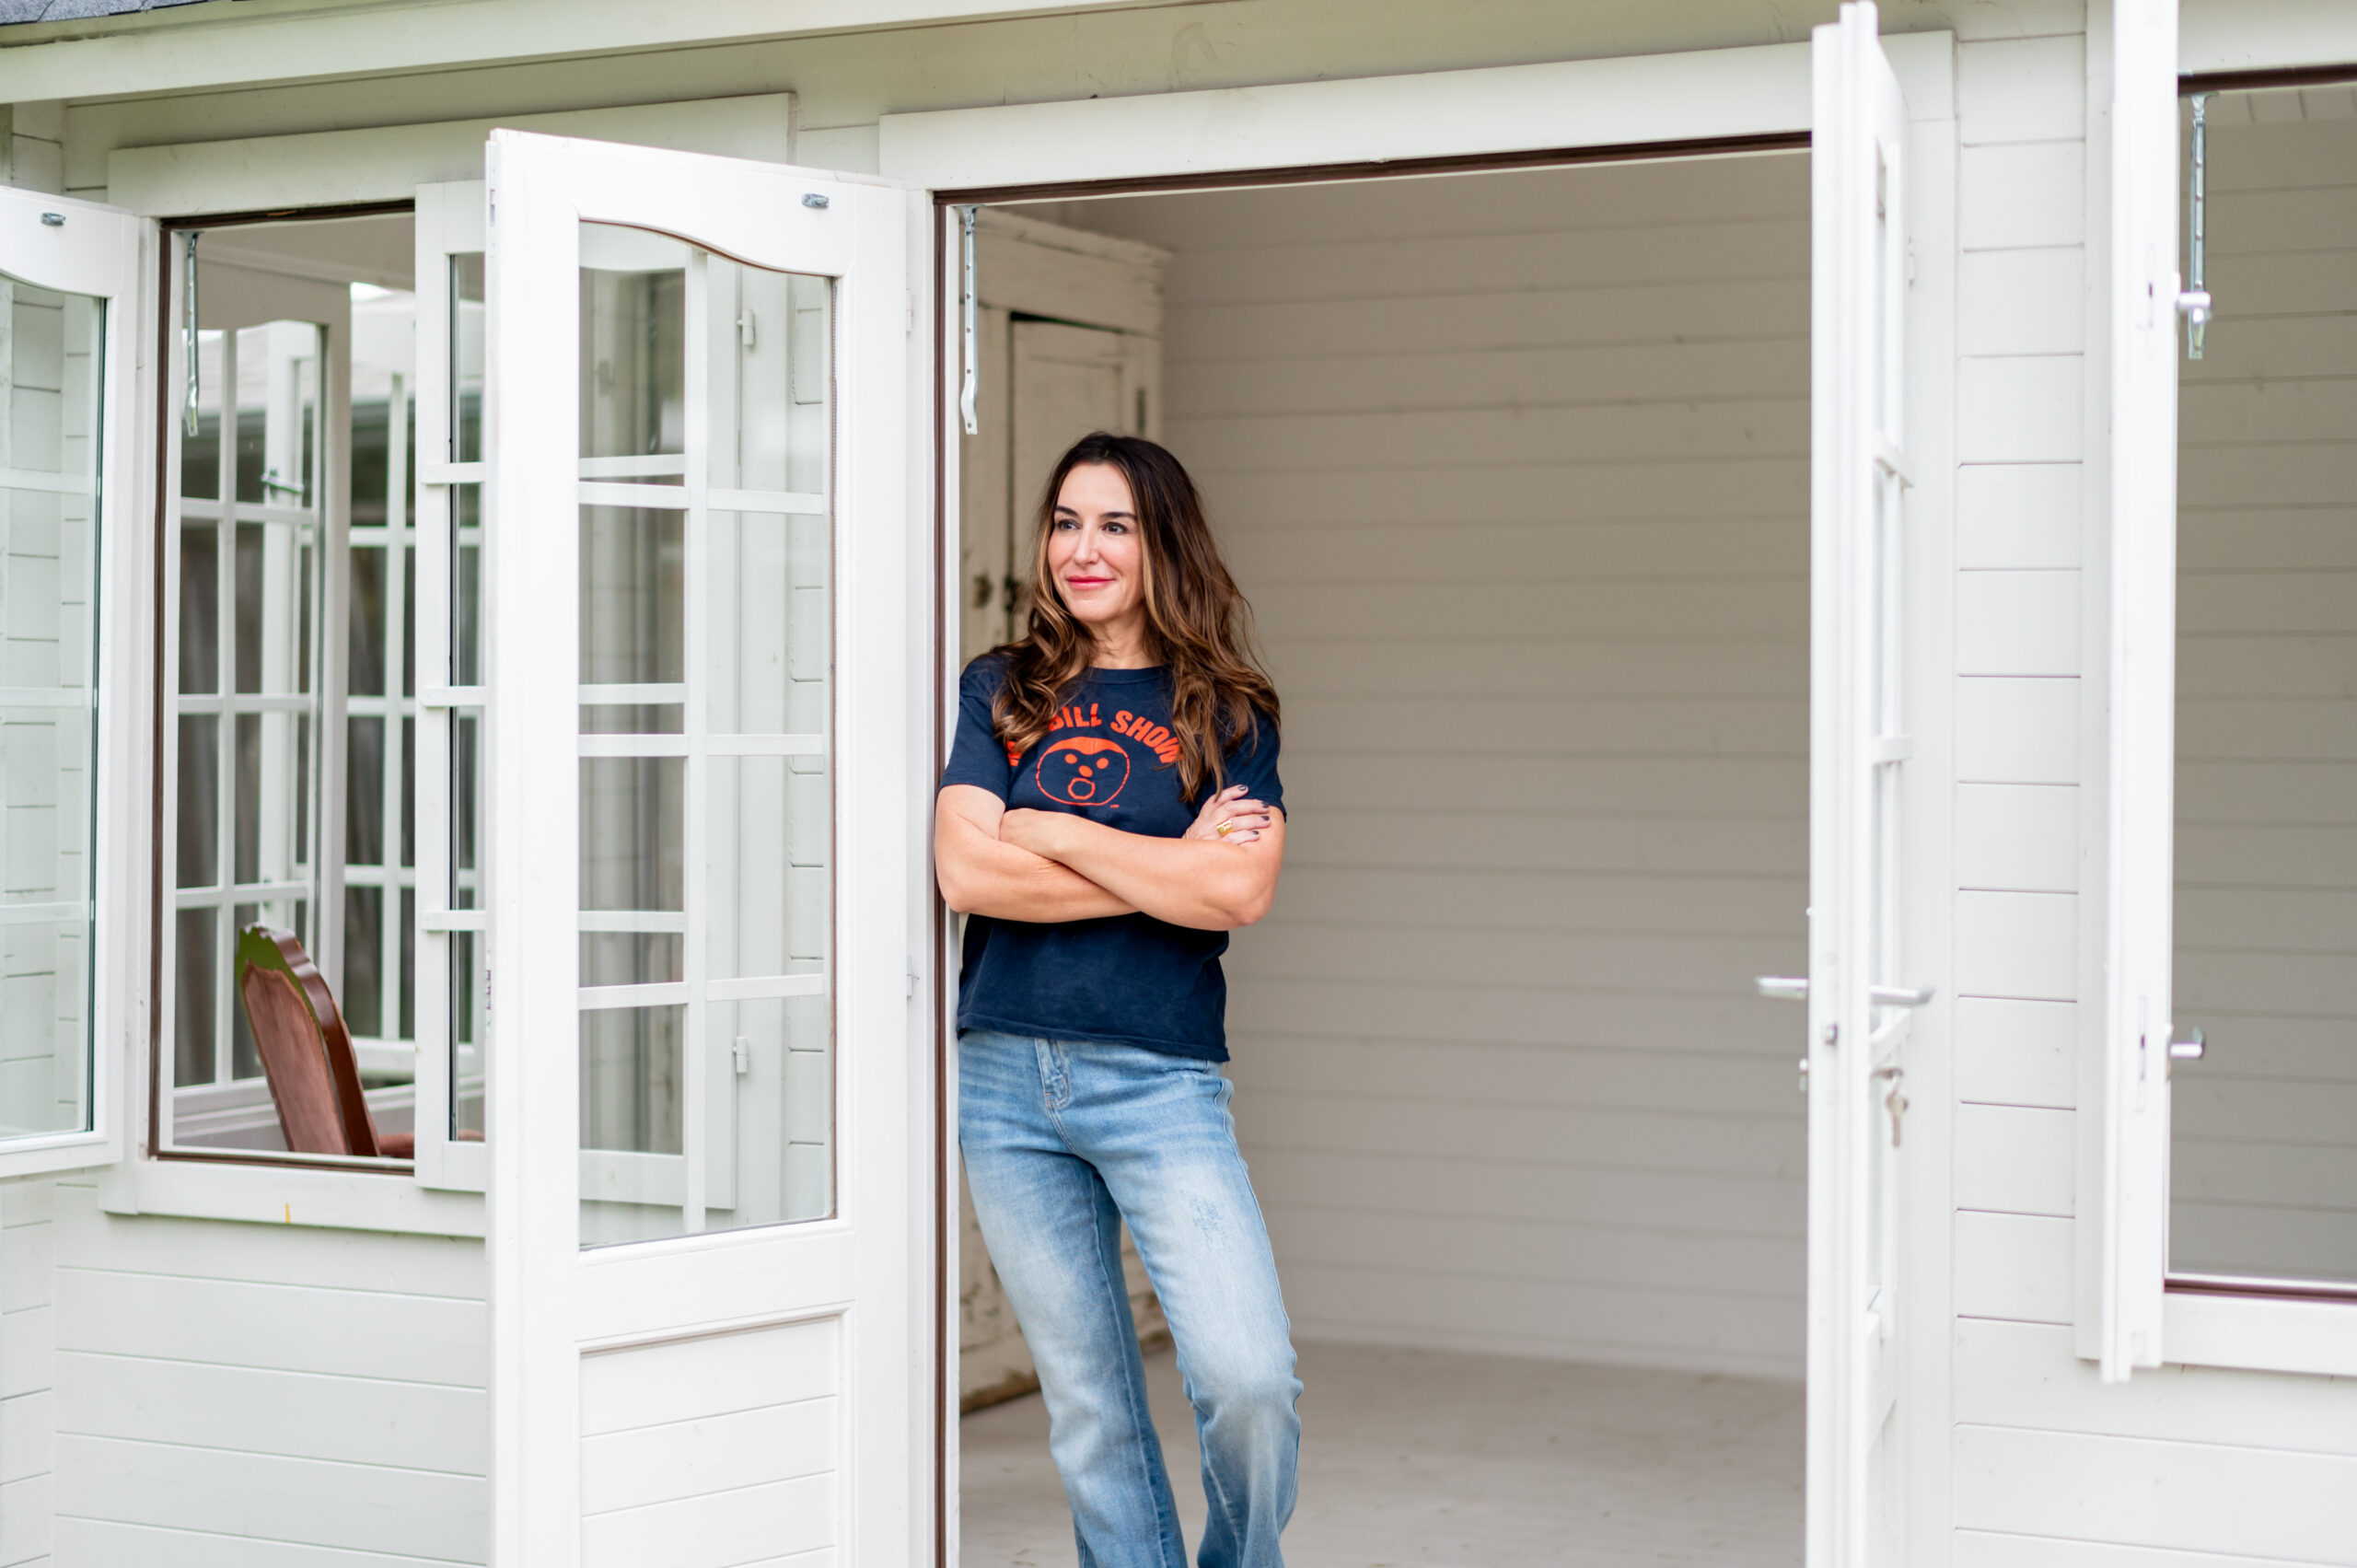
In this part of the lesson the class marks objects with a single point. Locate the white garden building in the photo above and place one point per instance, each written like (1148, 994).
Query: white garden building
(1812, 563)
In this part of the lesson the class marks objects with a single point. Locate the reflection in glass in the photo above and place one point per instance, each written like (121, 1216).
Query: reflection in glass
(633, 832)
(630, 1079)
(51, 350)
(720, 1112)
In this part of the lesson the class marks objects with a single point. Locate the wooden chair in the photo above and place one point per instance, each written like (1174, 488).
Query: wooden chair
(306, 1051)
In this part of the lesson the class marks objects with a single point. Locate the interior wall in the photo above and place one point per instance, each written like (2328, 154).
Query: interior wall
(2264, 1170)
(1514, 468)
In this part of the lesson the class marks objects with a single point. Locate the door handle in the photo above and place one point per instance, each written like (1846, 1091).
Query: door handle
(1794, 988)
(2188, 1049)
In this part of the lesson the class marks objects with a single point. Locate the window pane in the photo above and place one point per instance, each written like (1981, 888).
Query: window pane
(466, 584)
(719, 1112)
(633, 600)
(49, 347)
(256, 558)
(2263, 1177)
(633, 832)
(364, 814)
(466, 358)
(363, 994)
(366, 674)
(466, 788)
(465, 1035)
(193, 994)
(200, 641)
(200, 452)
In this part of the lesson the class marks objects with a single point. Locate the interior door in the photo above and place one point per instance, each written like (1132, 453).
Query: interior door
(1860, 995)
(705, 1043)
(1067, 381)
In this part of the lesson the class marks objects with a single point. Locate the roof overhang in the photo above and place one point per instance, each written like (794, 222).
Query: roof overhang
(197, 48)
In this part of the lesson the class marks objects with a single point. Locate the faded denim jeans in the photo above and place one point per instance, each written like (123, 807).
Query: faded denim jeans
(1063, 1141)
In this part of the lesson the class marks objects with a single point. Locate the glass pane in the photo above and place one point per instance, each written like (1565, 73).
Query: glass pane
(633, 601)
(245, 1057)
(2263, 1172)
(768, 612)
(194, 994)
(632, 958)
(251, 572)
(466, 1036)
(719, 1112)
(633, 353)
(201, 451)
(278, 389)
(198, 800)
(633, 832)
(364, 939)
(466, 584)
(200, 643)
(630, 1079)
(364, 814)
(466, 358)
(365, 674)
(466, 794)
(767, 910)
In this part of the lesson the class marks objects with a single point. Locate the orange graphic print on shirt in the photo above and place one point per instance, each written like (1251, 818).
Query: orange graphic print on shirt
(1080, 770)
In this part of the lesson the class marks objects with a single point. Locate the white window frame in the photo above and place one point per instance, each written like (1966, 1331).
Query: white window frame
(449, 224)
(441, 1195)
(2127, 1316)
(104, 253)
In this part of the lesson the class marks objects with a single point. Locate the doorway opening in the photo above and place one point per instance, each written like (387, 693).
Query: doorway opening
(1514, 468)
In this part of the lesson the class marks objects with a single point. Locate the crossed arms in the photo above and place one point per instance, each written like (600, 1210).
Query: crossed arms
(1053, 866)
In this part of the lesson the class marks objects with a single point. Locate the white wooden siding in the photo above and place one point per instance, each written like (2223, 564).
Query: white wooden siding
(263, 1395)
(2181, 1467)
(1514, 470)
(2264, 1168)
(28, 1391)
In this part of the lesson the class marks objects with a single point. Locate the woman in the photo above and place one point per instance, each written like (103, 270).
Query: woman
(1110, 811)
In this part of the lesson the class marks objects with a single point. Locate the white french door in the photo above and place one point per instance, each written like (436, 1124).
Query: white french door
(1862, 986)
(704, 1036)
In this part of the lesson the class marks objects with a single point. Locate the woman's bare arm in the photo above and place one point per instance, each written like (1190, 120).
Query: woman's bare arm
(1207, 883)
(983, 874)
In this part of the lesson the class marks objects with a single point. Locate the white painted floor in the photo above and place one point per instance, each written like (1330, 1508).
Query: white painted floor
(1414, 1458)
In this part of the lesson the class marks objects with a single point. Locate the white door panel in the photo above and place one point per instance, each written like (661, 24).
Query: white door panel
(1862, 991)
(701, 1060)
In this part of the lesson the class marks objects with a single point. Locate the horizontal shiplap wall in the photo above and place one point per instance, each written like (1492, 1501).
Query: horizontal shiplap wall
(2264, 1178)
(2181, 1467)
(28, 1370)
(1514, 468)
(246, 1396)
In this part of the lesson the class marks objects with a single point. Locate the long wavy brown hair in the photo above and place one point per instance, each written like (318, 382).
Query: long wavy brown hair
(1201, 625)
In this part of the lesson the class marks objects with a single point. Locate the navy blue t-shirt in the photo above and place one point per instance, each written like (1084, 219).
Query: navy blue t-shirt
(1126, 979)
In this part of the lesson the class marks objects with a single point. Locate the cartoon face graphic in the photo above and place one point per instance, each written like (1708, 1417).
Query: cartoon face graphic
(1082, 770)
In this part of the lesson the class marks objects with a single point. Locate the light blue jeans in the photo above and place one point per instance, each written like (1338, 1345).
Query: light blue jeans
(1063, 1141)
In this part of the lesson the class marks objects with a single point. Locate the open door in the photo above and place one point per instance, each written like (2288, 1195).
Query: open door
(705, 1032)
(1860, 996)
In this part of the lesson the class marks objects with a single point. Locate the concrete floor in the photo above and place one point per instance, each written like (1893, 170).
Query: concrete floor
(1414, 1458)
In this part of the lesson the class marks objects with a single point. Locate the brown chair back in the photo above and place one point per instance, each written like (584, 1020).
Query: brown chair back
(306, 1051)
